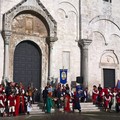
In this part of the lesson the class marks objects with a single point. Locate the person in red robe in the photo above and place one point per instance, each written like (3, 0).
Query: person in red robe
(22, 100)
(95, 93)
(107, 100)
(67, 102)
(17, 97)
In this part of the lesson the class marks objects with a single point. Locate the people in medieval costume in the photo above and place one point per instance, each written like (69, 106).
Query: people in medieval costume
(28, 103)
(5, 103)
(76, 101)
(44, 96)
(118, 101)
(49, 103)
(7, 92)
(2, 104)
(57, 94)
(114, 100)
(111, 98)
(85, 93)
(67, 102)
(21, 106)
(34, 93)
(30, 92)
(100, 96)
(17, 96)
(107, 100)
(94, 94)
(29, 106)
(11, 104)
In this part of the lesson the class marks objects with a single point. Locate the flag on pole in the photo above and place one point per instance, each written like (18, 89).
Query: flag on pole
(63, 76)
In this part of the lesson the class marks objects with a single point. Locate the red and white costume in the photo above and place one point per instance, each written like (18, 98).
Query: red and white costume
(2, 103)
(22, 101)
(107, 101)
(11, 103)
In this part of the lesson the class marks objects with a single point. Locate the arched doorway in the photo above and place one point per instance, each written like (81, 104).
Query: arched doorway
(27, 65)
(109, 64)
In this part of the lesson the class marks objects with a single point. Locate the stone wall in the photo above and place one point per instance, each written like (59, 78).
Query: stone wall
(66, 15)
(99, 22)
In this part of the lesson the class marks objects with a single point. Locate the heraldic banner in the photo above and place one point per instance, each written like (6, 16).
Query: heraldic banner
(63, 76)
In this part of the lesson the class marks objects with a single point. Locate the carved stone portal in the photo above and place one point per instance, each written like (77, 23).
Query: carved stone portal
(30, 25)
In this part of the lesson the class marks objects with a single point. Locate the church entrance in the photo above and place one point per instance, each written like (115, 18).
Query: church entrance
(109, 77)
(27, 66)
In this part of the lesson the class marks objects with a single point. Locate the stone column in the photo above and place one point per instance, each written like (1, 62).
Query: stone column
(7, 36)
(51, 41)
(84, 43)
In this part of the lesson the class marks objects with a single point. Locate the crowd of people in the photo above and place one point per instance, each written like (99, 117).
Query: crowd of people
(15, 100)
(61, 97)
(108, 98)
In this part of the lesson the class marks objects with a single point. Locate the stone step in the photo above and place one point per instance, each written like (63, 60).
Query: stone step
(85, 107)
(35, 105)
(36, 112)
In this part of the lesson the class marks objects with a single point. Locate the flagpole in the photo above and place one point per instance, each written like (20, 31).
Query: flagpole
(80, 35)
(63, 68)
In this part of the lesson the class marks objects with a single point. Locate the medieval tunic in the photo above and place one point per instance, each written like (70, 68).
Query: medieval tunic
(94, 95)
(76, 102)
(2, 103)
(11, 103)
(17, 97)
(114, 101)
(107, 101)
(49, 104)
(67, 103)
(22, 100)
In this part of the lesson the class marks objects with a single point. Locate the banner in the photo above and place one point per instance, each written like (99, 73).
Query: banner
(118, 84)
(63, 76)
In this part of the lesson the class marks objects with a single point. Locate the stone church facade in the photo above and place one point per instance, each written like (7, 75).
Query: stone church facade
(40, 37)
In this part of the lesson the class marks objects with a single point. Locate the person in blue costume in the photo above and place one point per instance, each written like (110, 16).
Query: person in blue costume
(76, 101)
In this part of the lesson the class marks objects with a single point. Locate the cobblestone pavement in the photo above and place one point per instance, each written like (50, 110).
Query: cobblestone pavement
(68, 116)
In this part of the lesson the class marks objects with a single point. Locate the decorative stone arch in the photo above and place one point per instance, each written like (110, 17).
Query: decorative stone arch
(30, 39)
(10, 15)
(101, 17)
(100, 33)
(109, 59)
(39, 42)
(41, 12)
